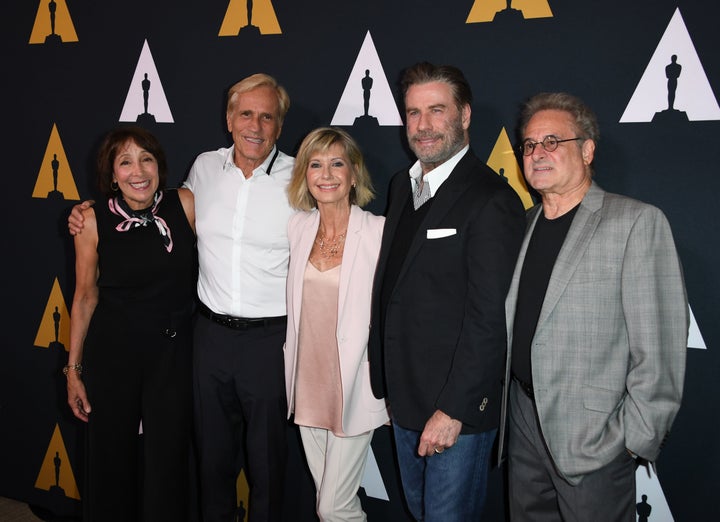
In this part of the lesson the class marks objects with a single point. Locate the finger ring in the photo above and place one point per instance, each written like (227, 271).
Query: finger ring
(439, 450)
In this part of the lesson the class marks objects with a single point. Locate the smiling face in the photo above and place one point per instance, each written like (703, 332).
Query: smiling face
(436, 128)
(255, 124)
(330, 176)
(135, 170)
(565, 170)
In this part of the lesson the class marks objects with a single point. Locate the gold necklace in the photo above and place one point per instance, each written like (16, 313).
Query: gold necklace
(329, 248)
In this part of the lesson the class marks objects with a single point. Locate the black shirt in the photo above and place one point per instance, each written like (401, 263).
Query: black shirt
(543, 249)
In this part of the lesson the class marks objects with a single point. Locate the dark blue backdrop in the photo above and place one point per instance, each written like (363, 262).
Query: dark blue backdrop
(597, 50)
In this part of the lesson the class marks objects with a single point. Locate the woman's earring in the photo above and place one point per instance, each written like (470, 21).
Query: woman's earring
(114, 186)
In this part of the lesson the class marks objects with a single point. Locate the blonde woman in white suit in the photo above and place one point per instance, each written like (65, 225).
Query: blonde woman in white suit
(334, 247)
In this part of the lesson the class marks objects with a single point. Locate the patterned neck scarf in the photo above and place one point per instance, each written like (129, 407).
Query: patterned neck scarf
(140, 218)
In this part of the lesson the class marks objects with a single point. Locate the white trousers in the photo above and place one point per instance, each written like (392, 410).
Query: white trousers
(337, 465)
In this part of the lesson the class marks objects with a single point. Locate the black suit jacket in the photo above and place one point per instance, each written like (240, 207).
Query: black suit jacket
(439, 343)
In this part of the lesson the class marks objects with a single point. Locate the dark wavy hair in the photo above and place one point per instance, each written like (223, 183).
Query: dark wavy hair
(109, 147)
(425, 72)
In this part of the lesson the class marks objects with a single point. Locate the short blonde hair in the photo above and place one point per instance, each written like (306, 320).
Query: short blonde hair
(253, 82)
(321, 140)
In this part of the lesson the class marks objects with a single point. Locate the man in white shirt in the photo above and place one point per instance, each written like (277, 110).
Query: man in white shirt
(242, 211)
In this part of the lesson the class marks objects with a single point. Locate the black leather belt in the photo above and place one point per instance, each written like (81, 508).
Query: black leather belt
(240, 323)
(525, 387)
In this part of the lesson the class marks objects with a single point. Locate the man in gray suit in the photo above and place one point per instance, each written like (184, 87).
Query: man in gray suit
(597, 330)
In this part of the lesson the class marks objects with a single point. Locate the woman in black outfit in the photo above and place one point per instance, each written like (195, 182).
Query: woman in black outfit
(129, 367)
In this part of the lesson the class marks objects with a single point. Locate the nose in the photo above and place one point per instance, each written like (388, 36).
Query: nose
(538, 151)
(255, 122)
(424, 121)
(143, 167)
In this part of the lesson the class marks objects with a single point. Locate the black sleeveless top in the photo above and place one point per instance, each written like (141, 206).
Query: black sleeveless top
(140, 280)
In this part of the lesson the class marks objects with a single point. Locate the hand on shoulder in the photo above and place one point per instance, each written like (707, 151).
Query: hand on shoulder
(76, 219)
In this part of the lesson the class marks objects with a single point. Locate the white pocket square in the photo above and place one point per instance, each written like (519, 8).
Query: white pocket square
(437, 233)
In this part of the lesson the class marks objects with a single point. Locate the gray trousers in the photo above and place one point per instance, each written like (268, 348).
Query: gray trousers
(537, 493)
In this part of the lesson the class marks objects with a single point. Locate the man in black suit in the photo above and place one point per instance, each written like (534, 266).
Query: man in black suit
(452, 234)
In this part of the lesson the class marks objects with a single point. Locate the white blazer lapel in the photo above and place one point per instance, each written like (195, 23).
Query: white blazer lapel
(352, 244)
(300, 259)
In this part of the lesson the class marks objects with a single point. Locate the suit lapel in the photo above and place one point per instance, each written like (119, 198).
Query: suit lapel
(511, 300)
(448, 193)
(302, 255)
(352, 243)
(576, 243)
(399, 196)
(300, 259)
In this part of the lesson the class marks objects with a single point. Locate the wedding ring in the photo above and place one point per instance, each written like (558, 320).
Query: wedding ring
(439, 450)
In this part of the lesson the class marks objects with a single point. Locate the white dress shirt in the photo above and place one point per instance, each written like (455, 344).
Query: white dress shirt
(436, 176)
(241, 229)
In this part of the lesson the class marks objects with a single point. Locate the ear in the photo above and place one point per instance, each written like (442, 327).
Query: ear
(466, 111)
(588, 151)
(228, 120)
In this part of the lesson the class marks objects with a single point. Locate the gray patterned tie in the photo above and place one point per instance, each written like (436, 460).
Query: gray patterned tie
(422, 193)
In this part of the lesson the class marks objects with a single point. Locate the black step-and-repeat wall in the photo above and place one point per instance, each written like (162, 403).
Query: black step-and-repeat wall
(72, 69)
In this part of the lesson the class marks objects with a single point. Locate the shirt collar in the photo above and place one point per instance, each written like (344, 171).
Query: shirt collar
(439, 174)
(229, 162)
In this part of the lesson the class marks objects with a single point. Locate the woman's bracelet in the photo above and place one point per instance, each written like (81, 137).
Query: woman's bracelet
(74, 367)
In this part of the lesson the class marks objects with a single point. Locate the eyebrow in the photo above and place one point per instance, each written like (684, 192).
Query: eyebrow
(546, 136)
(433, 106)
(334, 158)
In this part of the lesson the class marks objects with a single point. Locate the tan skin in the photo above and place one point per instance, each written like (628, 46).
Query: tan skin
(253, 119)
(562, 177)
(135, 172)
(436, 128)
(330, 176)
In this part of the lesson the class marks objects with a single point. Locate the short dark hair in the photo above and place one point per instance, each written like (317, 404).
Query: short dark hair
(109, 148)
(425, 72)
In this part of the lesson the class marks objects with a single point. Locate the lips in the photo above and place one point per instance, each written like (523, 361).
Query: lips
(426, 140)
(541, 168)
(140, 185)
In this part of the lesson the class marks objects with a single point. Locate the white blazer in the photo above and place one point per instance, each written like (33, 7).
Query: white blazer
(361, 411)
